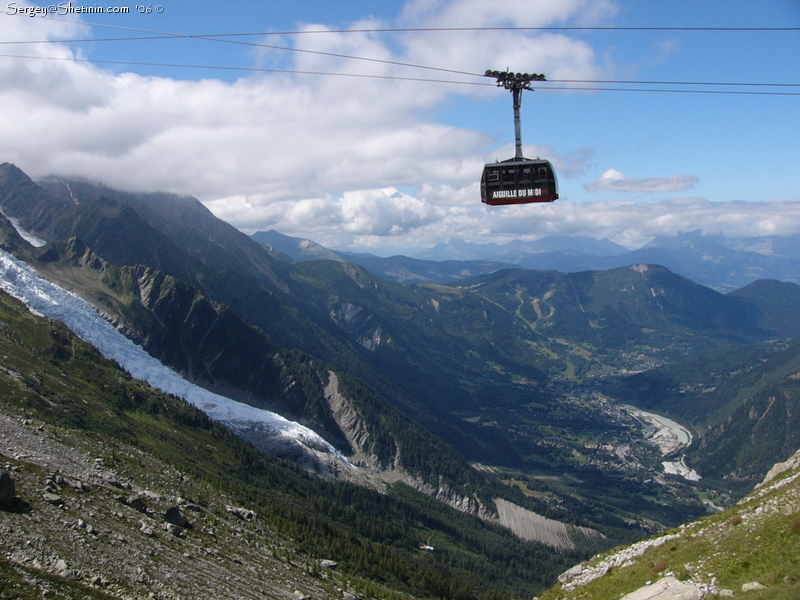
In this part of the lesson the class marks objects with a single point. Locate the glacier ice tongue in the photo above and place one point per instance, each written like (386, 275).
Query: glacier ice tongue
(43, 297)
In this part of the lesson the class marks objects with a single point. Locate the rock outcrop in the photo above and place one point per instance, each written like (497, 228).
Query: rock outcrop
(667, 588)
(788, 465)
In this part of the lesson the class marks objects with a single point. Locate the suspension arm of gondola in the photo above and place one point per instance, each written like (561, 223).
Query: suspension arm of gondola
(516, 82)
(517, 92)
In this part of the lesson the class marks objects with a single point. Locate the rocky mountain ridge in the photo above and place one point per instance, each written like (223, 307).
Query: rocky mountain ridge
(431, 351)
(487, 364)
(265, 376)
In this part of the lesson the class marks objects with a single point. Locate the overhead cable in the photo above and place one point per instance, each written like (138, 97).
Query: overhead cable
(541, 85)
(596, 83)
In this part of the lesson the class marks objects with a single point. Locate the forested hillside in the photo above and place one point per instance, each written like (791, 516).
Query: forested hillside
(136, 442)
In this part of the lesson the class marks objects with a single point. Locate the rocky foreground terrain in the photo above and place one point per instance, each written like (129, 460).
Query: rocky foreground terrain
(78, 520)
(751, 550)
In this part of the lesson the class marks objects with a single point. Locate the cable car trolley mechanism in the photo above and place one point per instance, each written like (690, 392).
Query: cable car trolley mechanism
(518, 180)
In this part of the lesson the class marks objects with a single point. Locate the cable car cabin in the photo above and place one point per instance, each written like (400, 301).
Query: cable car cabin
(518, 181)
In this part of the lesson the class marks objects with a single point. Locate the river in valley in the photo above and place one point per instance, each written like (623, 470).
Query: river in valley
(671, 437)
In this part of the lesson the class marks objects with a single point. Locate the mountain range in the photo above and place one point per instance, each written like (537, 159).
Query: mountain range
(486, 387)
(724, 264)
(176, 279)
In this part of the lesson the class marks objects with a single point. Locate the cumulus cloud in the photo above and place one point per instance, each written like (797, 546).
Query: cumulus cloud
(631, 224)
(365, 213)
(388, 221)
(615, 181)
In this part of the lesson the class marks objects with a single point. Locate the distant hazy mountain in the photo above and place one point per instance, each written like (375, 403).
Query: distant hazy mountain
(776, 305)
(400, 269)
(405, 270)
(724, 264)
(295, 249)
(518, 250)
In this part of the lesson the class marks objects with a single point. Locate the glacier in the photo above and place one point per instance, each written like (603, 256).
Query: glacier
(28, 237)
(42, 297)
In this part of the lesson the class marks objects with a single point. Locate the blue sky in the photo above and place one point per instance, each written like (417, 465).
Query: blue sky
(387, 165)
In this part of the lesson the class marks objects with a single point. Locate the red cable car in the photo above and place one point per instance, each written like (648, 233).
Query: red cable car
(518, 180)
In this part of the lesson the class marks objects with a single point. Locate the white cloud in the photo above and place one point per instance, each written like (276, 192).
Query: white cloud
(273, 137)
(615, 181)
(366, 213)
(387, 221)
(531, 13)
(344, 161)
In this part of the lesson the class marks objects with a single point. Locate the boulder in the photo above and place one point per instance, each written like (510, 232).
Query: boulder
(570, 574)
(753, 586)
(176, 517)
(667, 588)
(7, 487)
(137, 503)
(53, 499)
(146, 529)
(242, 513)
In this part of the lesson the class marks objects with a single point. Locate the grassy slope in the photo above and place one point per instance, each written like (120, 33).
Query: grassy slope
(757, 540)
